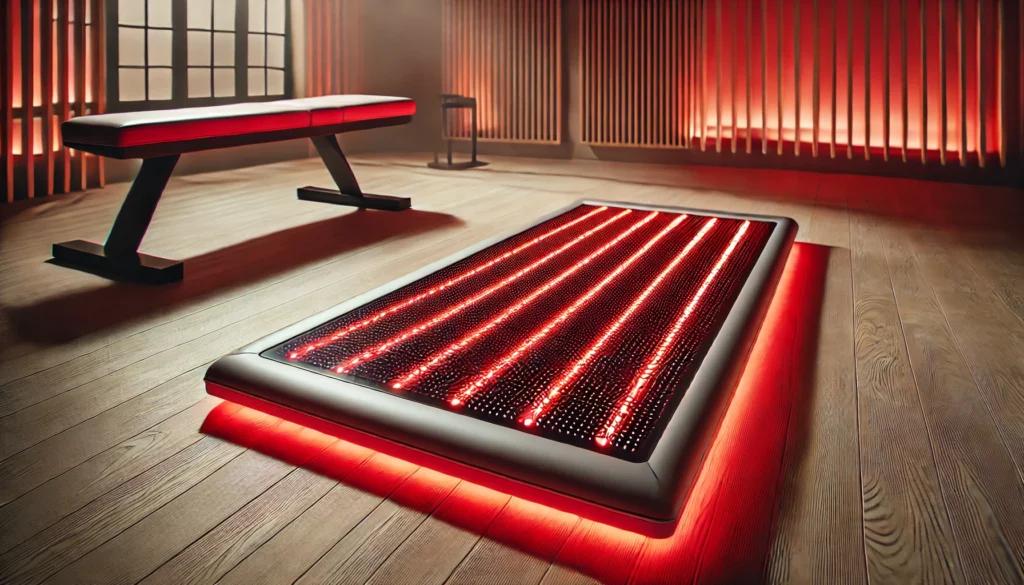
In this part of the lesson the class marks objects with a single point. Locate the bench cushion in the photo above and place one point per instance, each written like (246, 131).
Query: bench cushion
(132, 129)
(329, 110)
(138, 128)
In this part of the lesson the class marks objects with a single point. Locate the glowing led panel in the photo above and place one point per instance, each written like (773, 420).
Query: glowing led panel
(581, 362)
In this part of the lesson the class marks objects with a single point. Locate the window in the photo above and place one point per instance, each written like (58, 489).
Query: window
(267, 42)
(172, 53)
(211, 48)
(144, 39)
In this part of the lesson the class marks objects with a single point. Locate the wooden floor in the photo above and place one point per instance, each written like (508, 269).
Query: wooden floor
(877, 434)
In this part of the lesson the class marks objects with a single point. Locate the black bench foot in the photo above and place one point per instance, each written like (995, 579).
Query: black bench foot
(92, 257)
(366, 201)
(456, 166)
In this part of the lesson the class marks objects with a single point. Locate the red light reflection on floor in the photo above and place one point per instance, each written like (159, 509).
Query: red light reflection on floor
(725, 530)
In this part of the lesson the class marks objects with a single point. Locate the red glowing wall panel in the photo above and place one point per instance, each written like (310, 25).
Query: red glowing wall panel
(334, 47)
(888, 79)
(508, 55)
(52, 52)
(622, 300)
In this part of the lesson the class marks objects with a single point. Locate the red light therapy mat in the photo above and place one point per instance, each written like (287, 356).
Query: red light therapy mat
(579, 339)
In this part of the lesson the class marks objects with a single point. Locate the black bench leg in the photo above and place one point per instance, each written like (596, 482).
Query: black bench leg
(120, 257)
(348, 192)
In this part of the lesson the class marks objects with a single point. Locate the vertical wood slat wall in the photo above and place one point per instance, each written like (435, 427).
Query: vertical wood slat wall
(333, 50)
(638, 71)
(52, 56)
(880, 79)
(508, 55)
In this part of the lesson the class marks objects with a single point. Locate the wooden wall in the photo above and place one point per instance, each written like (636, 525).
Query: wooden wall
(508, 55)
(52, 70)
(638, 72)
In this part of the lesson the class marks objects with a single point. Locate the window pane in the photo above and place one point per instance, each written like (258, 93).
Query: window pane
(223, 48)
(160, 13)
(223, 82)
(256, 54)
(275, 51)
(131, 12)
(198, 82)
(131, 85)
(256, 15)
(199, 14)
(159, 47)
(224, 14)
(131, 48)
(275, 16)
(160, 84)
(275, 82)
(198, 48)
(256, 81)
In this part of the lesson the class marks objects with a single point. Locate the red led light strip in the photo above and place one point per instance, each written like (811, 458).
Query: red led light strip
(477, 384)
(543, 403)
(623, 409)
(419, 328)
(342, 333)
(479, 332)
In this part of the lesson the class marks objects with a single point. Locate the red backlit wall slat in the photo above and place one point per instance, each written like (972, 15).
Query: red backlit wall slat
(52, 54)
(508, 55)
(333, 48)
(878, 79)
(638, 70)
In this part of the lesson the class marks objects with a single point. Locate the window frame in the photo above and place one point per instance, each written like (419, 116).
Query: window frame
(179, 60)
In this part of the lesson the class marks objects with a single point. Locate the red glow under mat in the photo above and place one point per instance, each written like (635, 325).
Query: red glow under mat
(583, 363)
(584, 329)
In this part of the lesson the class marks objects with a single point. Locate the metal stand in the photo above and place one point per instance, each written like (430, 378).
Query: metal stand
(452, 102)
(120, 257)
(348, 192)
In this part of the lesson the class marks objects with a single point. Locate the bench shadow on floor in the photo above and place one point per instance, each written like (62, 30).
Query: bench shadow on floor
(60, 319)
(728, 521)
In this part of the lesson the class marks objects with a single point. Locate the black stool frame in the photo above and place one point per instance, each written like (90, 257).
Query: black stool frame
(451, 102)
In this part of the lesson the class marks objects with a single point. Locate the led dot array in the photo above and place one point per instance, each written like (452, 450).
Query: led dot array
(427, 324)
(304, 350)
(590, 358)
(624, 408)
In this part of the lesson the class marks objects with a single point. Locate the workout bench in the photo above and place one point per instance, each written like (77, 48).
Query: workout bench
(161, 137)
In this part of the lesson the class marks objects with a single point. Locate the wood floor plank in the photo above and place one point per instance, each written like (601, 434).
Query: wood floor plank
(293, 550)
(160, 535)
(907, 533)
(66, 493)
(518, 547)
(1002, 270)
(821, 477)
(83, 531)
(366, 547)
(62, 452)
(986, 333)
(438, 545)
(107, 516)
(218, 551)
(981, 485)
(595, 553)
